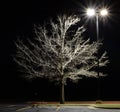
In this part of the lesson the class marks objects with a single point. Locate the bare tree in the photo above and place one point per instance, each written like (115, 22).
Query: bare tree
(59, 52)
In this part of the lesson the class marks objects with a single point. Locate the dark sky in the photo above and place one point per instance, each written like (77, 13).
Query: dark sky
(17, 19)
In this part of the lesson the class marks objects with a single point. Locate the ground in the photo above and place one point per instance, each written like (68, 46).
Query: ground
(52, 107)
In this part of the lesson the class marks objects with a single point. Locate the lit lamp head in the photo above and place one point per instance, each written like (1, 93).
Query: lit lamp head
(104, 12)
(90, 12)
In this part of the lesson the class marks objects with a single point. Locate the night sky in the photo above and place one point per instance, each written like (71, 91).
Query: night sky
(17, 19)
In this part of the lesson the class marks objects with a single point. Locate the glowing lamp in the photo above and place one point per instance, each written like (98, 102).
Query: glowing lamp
(90, 12)
(104, 12)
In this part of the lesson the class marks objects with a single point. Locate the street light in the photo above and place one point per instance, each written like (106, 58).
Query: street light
(90, 12)
(104, 12)
(99, 13)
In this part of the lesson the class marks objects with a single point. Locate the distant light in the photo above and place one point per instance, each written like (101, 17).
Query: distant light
(90, 12)
(104, 12)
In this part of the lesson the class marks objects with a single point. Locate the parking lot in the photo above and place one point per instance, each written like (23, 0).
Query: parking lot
(41, 108)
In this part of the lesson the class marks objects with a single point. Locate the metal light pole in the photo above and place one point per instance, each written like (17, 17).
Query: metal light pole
(98, 80)
(97, 27)
(91, 12)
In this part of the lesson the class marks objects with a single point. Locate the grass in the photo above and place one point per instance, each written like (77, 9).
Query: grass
(108, 106)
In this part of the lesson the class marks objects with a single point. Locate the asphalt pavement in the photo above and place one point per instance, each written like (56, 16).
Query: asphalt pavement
(39, 108)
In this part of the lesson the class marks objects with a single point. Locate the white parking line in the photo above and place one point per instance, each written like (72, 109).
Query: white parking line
(28, 107)
(10, 105)
(91, 107)
(58, 108)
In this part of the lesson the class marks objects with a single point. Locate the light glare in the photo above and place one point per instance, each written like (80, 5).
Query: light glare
(90, 12)
(103, 12)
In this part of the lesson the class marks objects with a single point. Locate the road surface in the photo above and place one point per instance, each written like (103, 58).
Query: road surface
(29, 108)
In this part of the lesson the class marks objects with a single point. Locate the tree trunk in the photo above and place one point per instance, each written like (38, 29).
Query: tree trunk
(62, 94)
